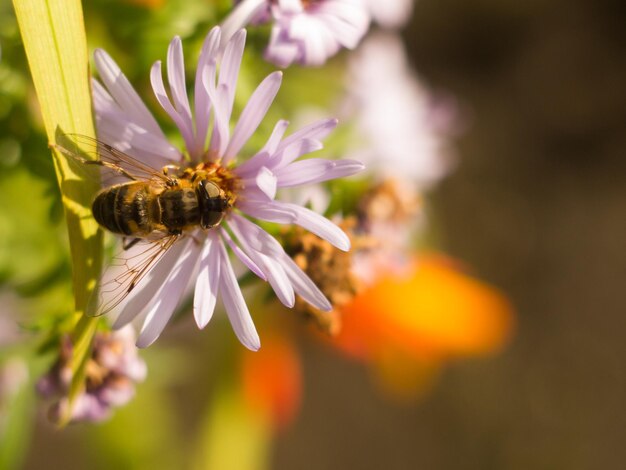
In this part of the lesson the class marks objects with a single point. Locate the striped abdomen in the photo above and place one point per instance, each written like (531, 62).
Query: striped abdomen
(127, 209)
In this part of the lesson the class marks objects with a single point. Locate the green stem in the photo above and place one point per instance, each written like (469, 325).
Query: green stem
(55, 43)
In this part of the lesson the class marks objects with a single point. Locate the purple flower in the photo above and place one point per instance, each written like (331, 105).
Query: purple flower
(306, 32)
(124, 122)
(111, 373)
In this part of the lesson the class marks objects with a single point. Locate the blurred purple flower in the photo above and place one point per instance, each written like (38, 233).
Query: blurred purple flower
(124, 122)
(111, 373)
(406, 128)
(306, 32)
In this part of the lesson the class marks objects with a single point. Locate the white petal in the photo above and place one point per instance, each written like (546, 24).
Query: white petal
(205, 292)
(146, 290)
(262, 210)
(103, 102)
(294, 151)
(279, 281)
(156, 79)
(304, 286)
(317, 224)
(168, 297)
(229, 67)
(202, 102)
(280, 51)
(266, 182)
(123, 92)
(254, 235)
(260, 159)
(273, 272)
(253, 113)
(240, 17)
(279, 130)
(235, 304)
(178, 88)
(220, 135)
(317, 130)
(347, 22)
(116, 130)
(315, 170)
(243, 257)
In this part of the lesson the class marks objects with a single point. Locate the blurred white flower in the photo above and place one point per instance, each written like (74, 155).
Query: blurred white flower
(306, 32)
(405, 128)
(390, 14)
(125, 123)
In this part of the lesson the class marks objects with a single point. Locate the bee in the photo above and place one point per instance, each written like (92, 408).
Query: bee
(152, 209)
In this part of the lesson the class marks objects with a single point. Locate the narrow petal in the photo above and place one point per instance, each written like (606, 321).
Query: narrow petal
(253, 113)
(202, 102)
(123, 92)
(279, 130)
(315, 170)
(273, 272)
(205, 292)
(148, 287)
(156, 79)
(168, 296)
(178, 88)
(220, 135)
(243, 257)
(254, 235)
(304, 286)
(266, 181)
(116, 130)
(103, 102)
(240, 17)
(317, 130)
(279, 280)
(280, 50)
(229, 67)
(121, 130)
(317, 224)
(261, 158)
(294, 151)
(235, 304)
(262, 210)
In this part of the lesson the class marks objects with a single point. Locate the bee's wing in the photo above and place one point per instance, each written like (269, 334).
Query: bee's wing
(126, 271)
(79, 148)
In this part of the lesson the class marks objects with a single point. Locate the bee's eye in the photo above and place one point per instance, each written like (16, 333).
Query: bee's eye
(212, 189)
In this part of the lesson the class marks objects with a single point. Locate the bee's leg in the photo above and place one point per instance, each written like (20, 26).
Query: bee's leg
(167, 168)
(128, 244)
(166, 172)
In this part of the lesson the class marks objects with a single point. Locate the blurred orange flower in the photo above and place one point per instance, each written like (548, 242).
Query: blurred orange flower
(272, 380)
(406, 324)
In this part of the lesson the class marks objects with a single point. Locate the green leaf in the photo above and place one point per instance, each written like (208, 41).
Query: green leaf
(54, 39)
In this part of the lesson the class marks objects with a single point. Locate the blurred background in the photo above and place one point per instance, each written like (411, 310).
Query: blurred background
(536, 206)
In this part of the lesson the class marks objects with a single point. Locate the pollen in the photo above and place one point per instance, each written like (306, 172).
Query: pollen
(330, 269)
(388, 202)
(221, 175)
